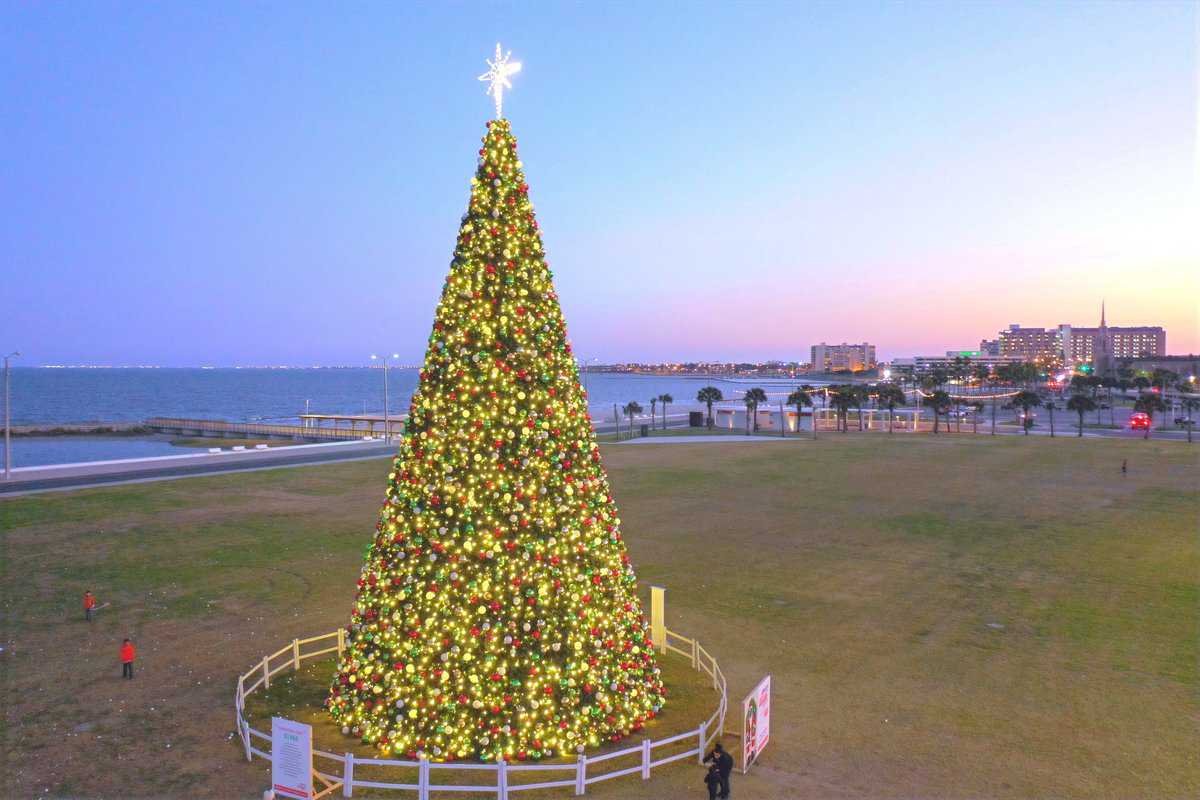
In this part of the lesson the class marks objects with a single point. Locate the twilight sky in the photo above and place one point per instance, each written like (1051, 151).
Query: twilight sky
(281, 183)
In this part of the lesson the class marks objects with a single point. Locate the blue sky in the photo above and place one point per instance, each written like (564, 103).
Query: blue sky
(281, 183)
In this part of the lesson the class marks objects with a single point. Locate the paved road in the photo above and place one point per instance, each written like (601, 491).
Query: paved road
(80, 476)
(31, 480)
(703, 437)
(1043, 429)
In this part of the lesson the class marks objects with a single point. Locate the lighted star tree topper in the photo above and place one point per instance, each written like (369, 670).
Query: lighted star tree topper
(497, 615)
(497, 77)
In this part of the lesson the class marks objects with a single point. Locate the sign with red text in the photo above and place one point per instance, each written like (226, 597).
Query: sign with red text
(756, 722)
(291, 759)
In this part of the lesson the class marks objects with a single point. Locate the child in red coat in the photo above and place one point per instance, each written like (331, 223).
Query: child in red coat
(127, 655)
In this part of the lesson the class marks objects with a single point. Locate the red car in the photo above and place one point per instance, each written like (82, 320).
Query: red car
(1139, 421)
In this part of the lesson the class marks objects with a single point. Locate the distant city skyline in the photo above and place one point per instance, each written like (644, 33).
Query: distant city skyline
(1051, 331)
(282, 183)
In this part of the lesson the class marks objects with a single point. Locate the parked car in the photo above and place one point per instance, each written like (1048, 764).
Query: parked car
(1184, 421)
(1139, 421)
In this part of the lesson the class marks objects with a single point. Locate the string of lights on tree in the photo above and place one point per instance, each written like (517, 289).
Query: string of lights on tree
(497, 615)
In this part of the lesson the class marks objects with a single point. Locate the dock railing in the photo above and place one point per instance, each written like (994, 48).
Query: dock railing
(202, 427)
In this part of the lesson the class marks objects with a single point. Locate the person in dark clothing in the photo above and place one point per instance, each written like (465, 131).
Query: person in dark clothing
(712, 779)
(724, 764)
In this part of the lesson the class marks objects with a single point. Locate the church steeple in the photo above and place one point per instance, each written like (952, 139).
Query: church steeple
(1102, 347)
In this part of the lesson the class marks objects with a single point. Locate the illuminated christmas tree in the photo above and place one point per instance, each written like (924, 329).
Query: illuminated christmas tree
(497, 613)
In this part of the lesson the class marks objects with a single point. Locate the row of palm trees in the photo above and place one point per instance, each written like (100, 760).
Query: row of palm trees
(841, 397)
(1082, 403)
(1122, 380)
(847, 397)
(633, 408)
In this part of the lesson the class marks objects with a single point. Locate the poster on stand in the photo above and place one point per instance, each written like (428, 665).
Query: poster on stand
(756, 722)
(291, 759)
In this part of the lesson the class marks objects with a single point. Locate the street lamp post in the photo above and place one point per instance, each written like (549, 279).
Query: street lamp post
(8, 418)
(586, 365)
(387, 420)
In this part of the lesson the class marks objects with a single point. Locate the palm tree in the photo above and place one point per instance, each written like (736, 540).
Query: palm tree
(665, 399)
(812, 394)
(653, 418)
(1163, 378)
(1081, 404)
(960, 369)
(939, 402)
(1050, 408)
(1023, 373)
(1189, 405)
(1097, 385)
(1141, 383)
(982, 373)
(858, 395)
(977, 407)
(993, 380)
(631, 408)
(709, 395)
(752, 399)
(801, 398)
(841, 397)
(1124, 385)
(1026, 400)
(1004, 374)
(889, 395)
(1149, 404)
(1081, 384)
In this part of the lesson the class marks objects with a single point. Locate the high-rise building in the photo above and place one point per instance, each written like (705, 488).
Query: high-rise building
(1038, 345)
(989, 347)
(843, 357)
(1102, 346)
(923, 365)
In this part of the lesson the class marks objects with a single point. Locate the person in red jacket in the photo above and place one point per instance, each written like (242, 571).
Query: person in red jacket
(89, 603)
(127, 654)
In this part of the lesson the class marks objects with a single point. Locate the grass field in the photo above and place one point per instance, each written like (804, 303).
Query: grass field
(943, 617)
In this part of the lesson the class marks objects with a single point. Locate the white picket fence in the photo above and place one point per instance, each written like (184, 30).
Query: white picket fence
(503, 778)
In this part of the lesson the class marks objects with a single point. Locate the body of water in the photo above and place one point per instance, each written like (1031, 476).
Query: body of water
(47, 397)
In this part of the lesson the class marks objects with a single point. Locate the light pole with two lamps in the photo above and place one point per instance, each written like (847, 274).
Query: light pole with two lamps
(8, 418)
(585, 368)
(387, 421)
